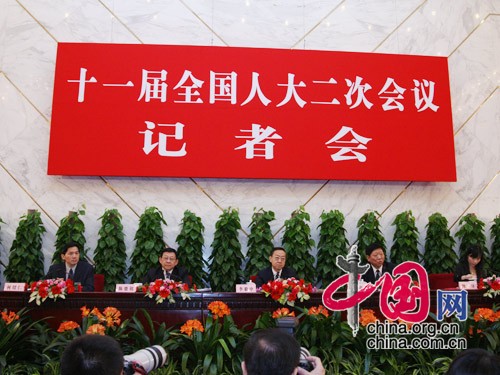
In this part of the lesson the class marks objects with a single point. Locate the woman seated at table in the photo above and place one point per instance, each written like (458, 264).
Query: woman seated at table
(470, 266)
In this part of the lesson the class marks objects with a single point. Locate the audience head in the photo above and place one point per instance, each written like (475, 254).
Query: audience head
(278, 258)
(375, 255)
(168, 258)
(70, 254)
(92, 355)
(270, 352)
(475, 361)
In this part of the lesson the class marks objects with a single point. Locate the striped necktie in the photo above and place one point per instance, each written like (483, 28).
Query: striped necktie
(277, 276)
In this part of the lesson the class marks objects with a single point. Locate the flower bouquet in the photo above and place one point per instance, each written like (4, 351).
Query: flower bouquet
(51, 288)
(163, 290)
(491, 285)
(287, 291)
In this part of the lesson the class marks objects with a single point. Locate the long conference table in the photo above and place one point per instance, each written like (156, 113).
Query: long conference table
(245, 307)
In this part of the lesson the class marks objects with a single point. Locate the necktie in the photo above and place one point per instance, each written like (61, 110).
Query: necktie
(71, 274)
(167, 275)
(377, 275)
(277, 276)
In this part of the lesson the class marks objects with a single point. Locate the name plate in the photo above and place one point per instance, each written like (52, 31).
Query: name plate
(467, 284)
(14, 287)
(126, 288)
(246, 288)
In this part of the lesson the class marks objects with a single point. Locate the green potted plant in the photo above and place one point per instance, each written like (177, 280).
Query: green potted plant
(26, 257)
(439, 256)
(332, 242)
(71, 229)
(369, 231)
(405, 242)
(495, 246)
(149, 242)
(110, 254)
(471, 232)
(226, 258)
(260, 242)
(298, 244)
(190, 251)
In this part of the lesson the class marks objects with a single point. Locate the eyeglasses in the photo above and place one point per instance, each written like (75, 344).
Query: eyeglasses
(169, 259)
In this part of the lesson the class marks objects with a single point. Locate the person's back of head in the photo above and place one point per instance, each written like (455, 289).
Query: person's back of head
(92, 355)
(475, 361)
(271, 352)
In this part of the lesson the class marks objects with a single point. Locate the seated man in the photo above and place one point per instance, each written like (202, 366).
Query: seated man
(167, 269)
(73, 268)
(375, 255)
(277, 269)
(275, 352)
(92, 355)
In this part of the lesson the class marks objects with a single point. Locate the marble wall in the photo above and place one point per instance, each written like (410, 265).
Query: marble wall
(466, 31)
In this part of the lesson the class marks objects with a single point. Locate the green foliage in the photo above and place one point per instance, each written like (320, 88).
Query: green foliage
(405, 242)
(16, 341)
(298, 243)
(141, 336)
(369, 231)
(71, 229)
(439, 256)
(495, 246)
(260, 242)
(110, 254)
(217, 350)
(190, 250)
(332, 242)
(226, 258)
(471, 232)
(149, 243)
(26, 257)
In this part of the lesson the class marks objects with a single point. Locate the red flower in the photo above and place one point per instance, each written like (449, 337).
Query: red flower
(164, 293)
(42, 291)
(56, 290)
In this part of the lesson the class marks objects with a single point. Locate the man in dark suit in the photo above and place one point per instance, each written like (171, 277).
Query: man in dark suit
(277, 269)
(168, 268)
(73, 268)
(375, 256)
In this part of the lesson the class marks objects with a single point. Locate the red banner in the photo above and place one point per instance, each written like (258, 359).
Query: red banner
(187, 111)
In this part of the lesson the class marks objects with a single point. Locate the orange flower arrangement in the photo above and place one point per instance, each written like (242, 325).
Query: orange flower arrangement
(112, 316)
(163, 290)
(9, 316)
(320, 310)
(282, 313)
(219, 309)
(367, 316)
(486, 314)
(68, 326)
(192, 325)
(288, 291)
(96, 329)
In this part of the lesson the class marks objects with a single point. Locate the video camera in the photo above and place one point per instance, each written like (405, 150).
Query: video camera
(145, 360)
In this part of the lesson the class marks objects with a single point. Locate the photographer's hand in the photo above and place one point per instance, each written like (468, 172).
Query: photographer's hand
(318, 367)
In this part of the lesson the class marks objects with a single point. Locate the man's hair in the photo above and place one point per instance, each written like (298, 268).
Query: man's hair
(475, 361)
(371, 248)
(92, 355)
(168, 250)
(277, 248)
(68, 246)
(271, 352)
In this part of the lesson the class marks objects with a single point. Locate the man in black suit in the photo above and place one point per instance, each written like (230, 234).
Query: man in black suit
(375, 256)
(277, 269)
(73, 268)
(167, 269)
